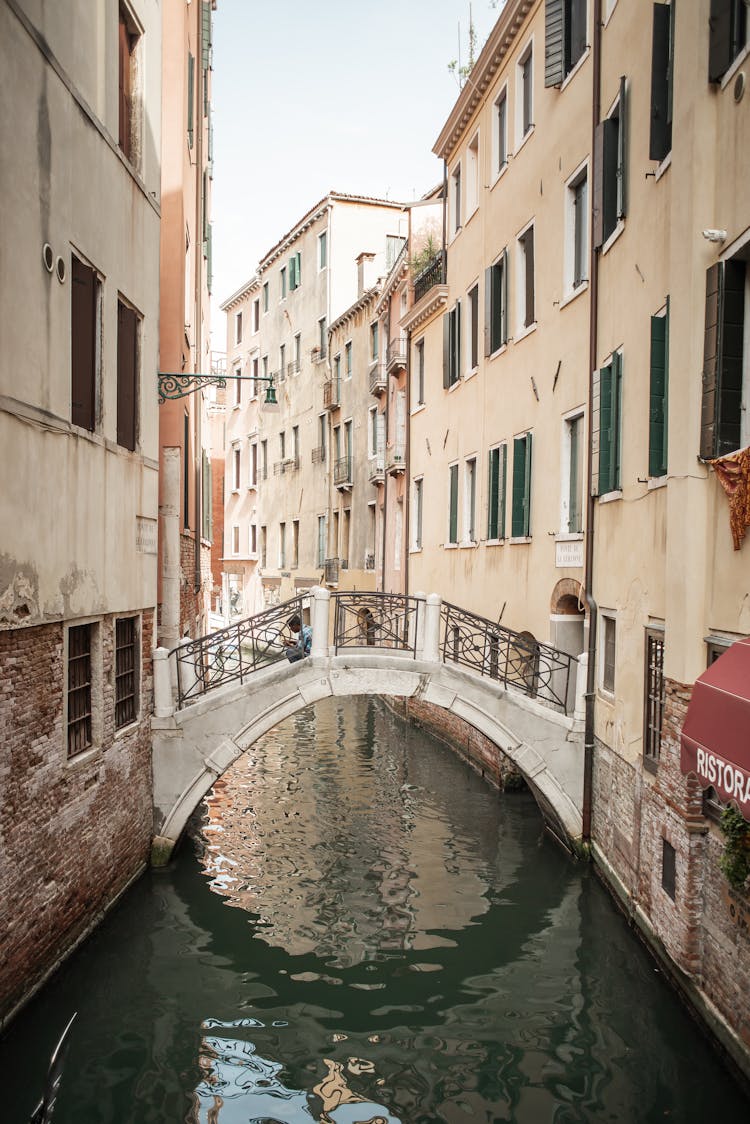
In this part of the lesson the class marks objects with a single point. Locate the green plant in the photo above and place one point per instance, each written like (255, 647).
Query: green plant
(735, 858)
(424, 256)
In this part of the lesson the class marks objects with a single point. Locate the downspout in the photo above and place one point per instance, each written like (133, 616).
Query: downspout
(198, 299)
(384, 344)
(588, 742)
(406, 537)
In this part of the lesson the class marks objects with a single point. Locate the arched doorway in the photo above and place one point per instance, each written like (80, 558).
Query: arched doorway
(567, 619)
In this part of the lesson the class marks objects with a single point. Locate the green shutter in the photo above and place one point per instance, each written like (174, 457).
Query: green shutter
(519, 514)
(605, 429)
(494, 470)
(615, 465)
(446, 349)
(190, 98)
(206, 54)
(453, 518)
(527, 488)
(574, 483)
(622, 150)
(488, 304)
(657, 398)
(501, 490)
(504, 298)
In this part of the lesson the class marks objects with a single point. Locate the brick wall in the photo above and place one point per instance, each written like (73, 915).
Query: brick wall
(705, 930)
(72, 833)
(194, 605)
(217, 545)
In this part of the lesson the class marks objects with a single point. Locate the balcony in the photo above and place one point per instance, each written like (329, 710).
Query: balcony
(331, 566)
(376, 469)
(396, 355)
(318, 354)
(342, 472)
(279, 468)
(293, 367)
(319, 454)
(332, 394)
(377, 378)
(432, 274)
(395, 461)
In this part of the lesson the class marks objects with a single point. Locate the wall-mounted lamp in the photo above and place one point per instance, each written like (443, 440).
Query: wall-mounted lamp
(712, 235)
(179, 385)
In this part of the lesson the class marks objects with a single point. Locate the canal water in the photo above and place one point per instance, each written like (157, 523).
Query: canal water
(363, 930)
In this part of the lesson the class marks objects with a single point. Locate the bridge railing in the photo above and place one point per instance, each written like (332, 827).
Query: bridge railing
(233, 653)
(506, 656)
(376, 620)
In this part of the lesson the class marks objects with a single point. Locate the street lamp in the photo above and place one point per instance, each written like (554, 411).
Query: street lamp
(173, 385)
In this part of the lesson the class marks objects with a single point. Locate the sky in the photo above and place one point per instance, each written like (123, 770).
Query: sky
(317, 95)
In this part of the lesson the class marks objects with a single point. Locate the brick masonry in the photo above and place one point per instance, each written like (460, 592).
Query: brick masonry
(194, 606)
(705, 930)
(73, 833)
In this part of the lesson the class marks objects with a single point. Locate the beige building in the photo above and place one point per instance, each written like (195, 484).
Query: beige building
(279, 509)
(598, 230)
(79, 315)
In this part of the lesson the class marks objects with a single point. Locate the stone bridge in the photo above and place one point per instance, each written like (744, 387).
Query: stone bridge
(217, 695)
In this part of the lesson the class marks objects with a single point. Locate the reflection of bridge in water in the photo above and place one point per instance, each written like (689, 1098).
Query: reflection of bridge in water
(234, 685)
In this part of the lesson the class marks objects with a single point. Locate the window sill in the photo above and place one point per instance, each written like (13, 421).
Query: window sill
(128, 728)
(656, 482)
(606, 695)
(420, 406)
(454, 384)
(470, 216)
(85, 757)
(569, 536)
(455, 235)
(520, 539)
(525, 332)
(607, 246)
(529, 133)
(450, 546)
(574, 294)
(610, 497)
(468, 544)
(495, 542)
(574, 70)
(415, 550)
(501, 171)
(470, 374)
(736, 64)
(235, 491)
(500, 351)
(663, 166)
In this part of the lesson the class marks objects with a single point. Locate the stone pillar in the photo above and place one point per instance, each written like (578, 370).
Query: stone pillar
(581, 678)
(431, 640)
(187, 677)
(163, 705)
(169, 536)
(419, 638)
(319, 617)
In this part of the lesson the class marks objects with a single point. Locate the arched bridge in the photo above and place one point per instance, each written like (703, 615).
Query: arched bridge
(216, 695)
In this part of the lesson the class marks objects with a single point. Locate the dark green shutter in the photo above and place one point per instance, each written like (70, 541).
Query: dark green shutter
(501, 490)
(446, 349)
(488, 306)
(597, 218)
(453, 523)
(492, 505)
(190, 98)
(554, 42)
(616, 422)
(622, 151)
(457, 344)
(720, 39)
(528, 242)
(521, 509)
(206, 53)
(730, 370)
(660, 137)
(657, 465)
(605, 429)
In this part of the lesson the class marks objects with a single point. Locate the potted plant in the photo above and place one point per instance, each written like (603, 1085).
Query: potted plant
(735, 858)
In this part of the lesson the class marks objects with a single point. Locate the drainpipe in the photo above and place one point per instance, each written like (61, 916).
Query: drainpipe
(588, 742)
(406, 536)
(199, 204)
(384, 344)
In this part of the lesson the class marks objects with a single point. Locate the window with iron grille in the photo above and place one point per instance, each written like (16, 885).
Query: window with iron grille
(668, 868)
(126, 667)
(653, 696)
(79, 688)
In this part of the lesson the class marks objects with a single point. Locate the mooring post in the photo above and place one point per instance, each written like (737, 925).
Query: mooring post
(187, 678)
(163, 704)
(431, 642)
(319, 615)
(581, 681)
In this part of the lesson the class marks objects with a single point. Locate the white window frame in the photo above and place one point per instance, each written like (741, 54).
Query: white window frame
(570, 287)
(604, 616)
(578, 414)
(456, 200)
(471, 187)
(469, 367)
(417, 378)
(236, 467)
(252, 549)
(522, 328)
(452, 544)
(521, 135)
(322, 251)
(235, 540)
(417, 514)
(253, 463)
(499, 168)
(237, 388)
(238, 328)
(469, 506)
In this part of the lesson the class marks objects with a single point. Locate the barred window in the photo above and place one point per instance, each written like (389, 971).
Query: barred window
(126, 662)
(653, 696)
(79, 688)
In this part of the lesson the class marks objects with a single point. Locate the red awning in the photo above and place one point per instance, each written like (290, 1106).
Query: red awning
(715, 741)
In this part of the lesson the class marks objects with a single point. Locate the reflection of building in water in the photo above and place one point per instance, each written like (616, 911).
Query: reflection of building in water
(338, 842)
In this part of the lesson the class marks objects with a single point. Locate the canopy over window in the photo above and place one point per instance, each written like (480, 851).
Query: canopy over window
(715, 742)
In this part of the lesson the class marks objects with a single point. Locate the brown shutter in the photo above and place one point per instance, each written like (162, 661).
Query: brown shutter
(711, 358)
(127, 327)
(598, 192)
(83, 345)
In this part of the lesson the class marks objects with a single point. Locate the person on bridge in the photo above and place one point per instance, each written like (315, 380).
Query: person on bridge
(303, 634)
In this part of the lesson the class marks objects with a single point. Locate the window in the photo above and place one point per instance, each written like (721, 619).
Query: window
(572, 505)
(237, 386)
(282, 361)
(282, 445)
(418, 374)
(295, 544)
(521, 497)
(456, 198)
(190, 93)
(496, 305)
(237, 328)
(80, 651)
(321, 539)
(416, 519)
(452, 345)
(265, 296)
(128, 40)
(207, 498)
(126, 671)
(323, 250)
(295, 445)
(337, 371)
(372, 431)
(610, 171)
(394, 243)
(501, 131)
(727, 35)
(264, 365)
(322, 337)
(256, 371)
(725, 411)
(263, 546)
(282, 281)
(186, 470)
(498, 459)
(85, 304)
(264, 459)
(668, 868)
(472, 175)
(564, 38)
(127, 376)
(374, 341)
(236, 468)
(297, 352)
(662, 77)
(346, 528)
(348, 360)
(470, 500)
(253, 543)
(525, 93)
(576, 233)
(526, 311)
(235, 538)
(653, 700)
(322, 434)
(348, 445)
(256, 315)
(658, 411)
(608, 642)
(295, 271)
(253, 481)
(473, 341)
(607, 438)
(282, 545)
(453, 508)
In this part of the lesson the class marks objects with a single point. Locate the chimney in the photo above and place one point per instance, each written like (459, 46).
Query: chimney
(365, 273)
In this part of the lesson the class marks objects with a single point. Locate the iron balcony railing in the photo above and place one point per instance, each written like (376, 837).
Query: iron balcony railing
(396, 354)
(376, 469)
(376, 620)
(342, 471)
(512, 658)
(396, 460)
(376, 378)
(232, 654)
(432, 274)
(319, 454)
(293, 367)
(331, 394)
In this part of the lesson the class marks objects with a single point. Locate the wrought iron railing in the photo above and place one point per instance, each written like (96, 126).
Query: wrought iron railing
(396, 353)
(342, 471)
(293, 367)
(331, 394)
(509, 657)
(319, 454)
(376, 468)
(232, 654)
(432, 274)
(377, 378)
(376, 620)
